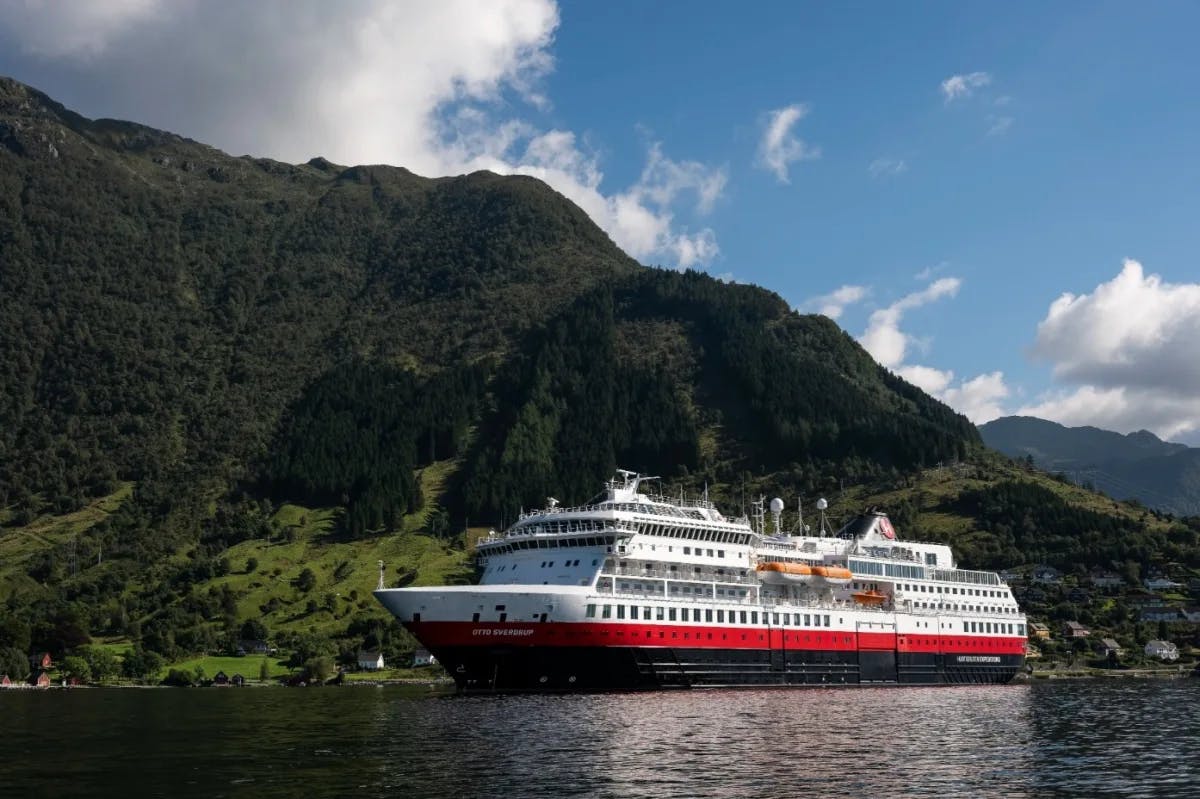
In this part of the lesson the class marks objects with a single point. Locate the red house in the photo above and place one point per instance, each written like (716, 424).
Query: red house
(40, 660)
(40, 680)
(4, 681)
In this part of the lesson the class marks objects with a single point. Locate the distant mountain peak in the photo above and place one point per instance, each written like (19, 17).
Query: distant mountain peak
(1140, 465)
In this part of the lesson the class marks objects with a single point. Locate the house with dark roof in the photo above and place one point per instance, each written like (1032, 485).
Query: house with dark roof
(1108, 647)
(221, 678)
(1074, 629)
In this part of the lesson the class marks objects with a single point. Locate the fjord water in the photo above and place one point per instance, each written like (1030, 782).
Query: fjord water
(1087, 738)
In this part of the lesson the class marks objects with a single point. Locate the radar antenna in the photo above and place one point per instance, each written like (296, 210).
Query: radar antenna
(776, 513)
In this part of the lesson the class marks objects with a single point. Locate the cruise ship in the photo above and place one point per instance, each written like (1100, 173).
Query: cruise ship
(635, 591)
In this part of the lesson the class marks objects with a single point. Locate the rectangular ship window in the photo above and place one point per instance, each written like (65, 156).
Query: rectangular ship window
(827, 621)
(633, 612)
(795, 619)
(774, 618)
(607, 612)
(658, 614)
(807, 620)
(720, 617)
(742, 616)
(620, 611)
(708, 614)
(646, 613)
(591, 611)
(754, 617)
(671, 614)
(475, 617)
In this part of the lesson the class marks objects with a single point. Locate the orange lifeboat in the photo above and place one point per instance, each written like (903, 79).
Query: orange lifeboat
(834, 575)
(869, 598)
(781, 573)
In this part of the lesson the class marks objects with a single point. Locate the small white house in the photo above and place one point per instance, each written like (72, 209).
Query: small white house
(423, 657)
(1161, 584)
(370, 661)
(1163, 650)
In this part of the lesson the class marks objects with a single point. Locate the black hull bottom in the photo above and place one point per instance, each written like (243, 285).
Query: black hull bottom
(478, 669)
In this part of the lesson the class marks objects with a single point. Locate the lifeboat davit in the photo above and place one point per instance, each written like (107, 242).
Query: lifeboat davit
(834, 575)
(869, 598)
(780, 573)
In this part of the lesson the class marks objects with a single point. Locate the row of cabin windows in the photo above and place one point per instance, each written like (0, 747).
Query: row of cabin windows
(556, 543)
(931, 589)
(708, 615)
(670, 531)
(1000, 628)
(565, 526)
(967, 608)
(707, 552)
(546, 564)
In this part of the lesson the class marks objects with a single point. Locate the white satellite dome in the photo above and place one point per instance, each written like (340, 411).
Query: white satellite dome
(822, 504)
(777, 505)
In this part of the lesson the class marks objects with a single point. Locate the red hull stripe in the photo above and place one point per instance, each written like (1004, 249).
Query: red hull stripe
(434, 634)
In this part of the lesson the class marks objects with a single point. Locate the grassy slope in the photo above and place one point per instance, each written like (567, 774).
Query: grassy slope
(19, 544)
(936, 488)
(313, 544)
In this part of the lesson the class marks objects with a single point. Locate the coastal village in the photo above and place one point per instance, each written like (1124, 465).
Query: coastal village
(235, 670)
(1103, 620)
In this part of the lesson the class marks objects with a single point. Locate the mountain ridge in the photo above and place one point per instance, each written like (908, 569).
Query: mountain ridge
(1139, 465)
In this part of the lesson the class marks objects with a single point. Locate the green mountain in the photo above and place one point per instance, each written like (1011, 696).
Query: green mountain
(229, 386)
(1139, 465)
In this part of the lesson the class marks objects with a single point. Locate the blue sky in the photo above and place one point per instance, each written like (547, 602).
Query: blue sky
(954, 170)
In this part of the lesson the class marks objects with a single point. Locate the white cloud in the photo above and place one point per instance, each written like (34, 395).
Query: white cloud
(1134, 331)
(978, 398)
(928, 379)
(883, 337)
(440, 88)
(887, 167)
(835, 302)
(779, 147)
(959, 86)
(1127, 352)
(997, 125)
(76, 29)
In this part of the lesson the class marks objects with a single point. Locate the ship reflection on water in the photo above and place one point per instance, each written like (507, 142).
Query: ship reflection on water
(961, 741)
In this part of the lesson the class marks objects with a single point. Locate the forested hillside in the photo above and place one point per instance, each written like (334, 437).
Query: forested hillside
(229, 385)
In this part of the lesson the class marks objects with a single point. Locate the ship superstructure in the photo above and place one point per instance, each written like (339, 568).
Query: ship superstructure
(634, 591)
